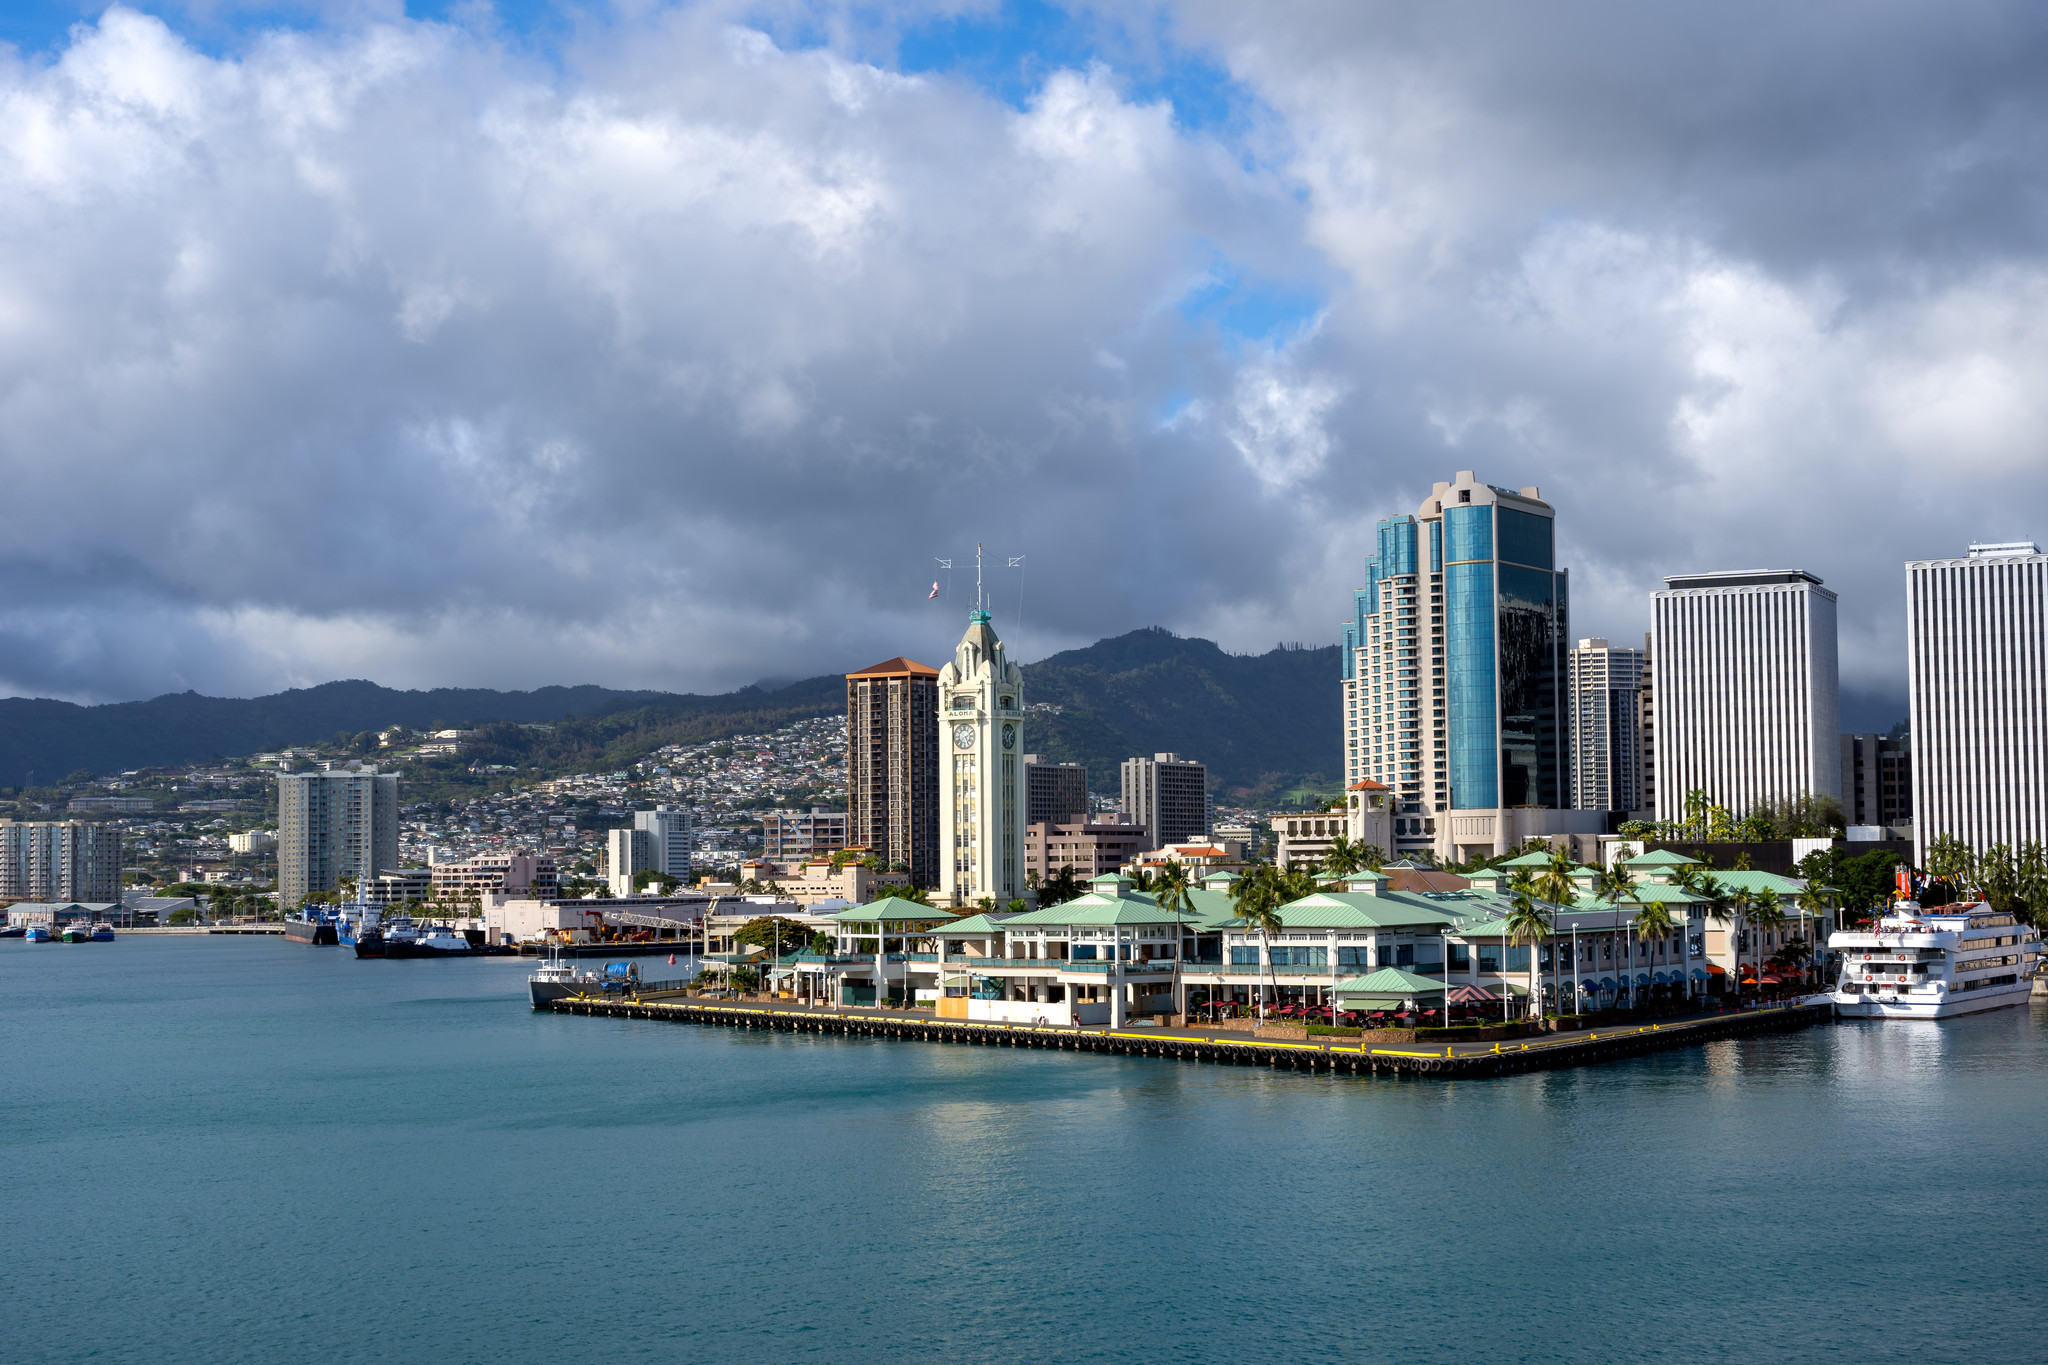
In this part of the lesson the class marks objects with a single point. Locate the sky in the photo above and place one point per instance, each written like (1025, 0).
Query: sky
(673, 345)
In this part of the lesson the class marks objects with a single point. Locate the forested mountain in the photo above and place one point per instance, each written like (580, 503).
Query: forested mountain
(1263, 723)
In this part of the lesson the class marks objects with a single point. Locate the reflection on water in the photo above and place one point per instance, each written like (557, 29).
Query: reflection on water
(260, 1151)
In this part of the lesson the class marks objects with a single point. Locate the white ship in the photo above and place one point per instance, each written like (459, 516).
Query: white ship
(1930, 964)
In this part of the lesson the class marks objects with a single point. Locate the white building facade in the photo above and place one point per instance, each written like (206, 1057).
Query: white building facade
(981, 777)
(1977, 679)
(1747, 688)
(334, 823)
(668, 840)
(1608, 742)
(1169, 796)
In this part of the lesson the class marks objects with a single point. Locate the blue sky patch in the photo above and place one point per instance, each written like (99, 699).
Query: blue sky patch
(1244, 307)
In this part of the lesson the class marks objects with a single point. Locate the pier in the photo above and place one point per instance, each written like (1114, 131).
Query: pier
(1334, 1054)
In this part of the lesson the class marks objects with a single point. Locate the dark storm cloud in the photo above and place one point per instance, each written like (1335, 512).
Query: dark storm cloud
(385, 351)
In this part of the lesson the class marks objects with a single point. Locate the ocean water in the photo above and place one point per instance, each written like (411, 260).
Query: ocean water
(252, 1150)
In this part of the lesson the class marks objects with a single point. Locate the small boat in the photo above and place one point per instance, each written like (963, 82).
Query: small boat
(14, 931)
(557, 979)
(102, 932)
(39, 933)
(77, 933)
(433, 941)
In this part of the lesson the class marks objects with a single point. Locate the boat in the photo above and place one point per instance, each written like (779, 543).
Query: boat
(312, 925)
(77, 933)
(1934, 963)
(39, 933)
(557, 979)
(378, 937)
(351, 922)
(102, 932)
(435, 940)
(14, 931)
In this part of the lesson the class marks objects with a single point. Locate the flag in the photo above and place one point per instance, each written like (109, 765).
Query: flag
(934, 592)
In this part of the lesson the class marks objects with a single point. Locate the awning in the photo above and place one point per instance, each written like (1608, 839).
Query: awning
(1467, 995)
(1699, 974)
(1642, 978)
(1606, 983)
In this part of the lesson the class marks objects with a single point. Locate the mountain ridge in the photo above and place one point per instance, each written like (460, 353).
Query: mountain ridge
(1261, 722)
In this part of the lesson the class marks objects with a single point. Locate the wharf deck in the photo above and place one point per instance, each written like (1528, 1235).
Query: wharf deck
(1195, 1045)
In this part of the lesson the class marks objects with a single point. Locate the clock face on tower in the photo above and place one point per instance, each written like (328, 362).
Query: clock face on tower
(963, 736)
(1009, 736)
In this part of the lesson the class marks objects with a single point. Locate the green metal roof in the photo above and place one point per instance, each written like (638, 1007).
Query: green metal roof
(1661, 857)
(1533, 860)
(1358, 910)
(974, 924)
(1096, 909)
(886, 911)
(1663, 893)
(1390, 981)
(1749, 879)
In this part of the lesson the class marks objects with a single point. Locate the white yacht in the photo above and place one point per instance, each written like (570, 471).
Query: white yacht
(1930, 964)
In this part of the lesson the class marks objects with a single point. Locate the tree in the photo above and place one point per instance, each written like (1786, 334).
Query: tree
(1344, 857)
(2033, 883)
(1062, 886)
(1527, 924)
(1652, 922)
(1997, 877)
(1721, 906)
(1170, 890)
(1767, 916)
(1556, 884)
(1615, 885)
(772, 932)
(1255, 895)
(916, 894)
(1950, 861)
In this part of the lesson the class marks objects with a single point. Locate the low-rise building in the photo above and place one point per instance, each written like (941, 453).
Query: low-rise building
(1089, 848)
(794, 836)
(510, 874)
(816, 880)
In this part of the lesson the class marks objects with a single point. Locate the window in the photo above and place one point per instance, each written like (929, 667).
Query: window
(1354, 957)
(1242, 957)
(1461, 957)
(1301, 957)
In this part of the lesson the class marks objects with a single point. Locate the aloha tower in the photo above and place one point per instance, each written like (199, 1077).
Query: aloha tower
(981, 777)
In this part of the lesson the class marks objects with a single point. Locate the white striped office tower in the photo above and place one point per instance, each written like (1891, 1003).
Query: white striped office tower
(1747, 690)
(1977, 672)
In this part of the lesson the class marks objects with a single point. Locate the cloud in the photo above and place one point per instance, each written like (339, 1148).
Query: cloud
(670, 348)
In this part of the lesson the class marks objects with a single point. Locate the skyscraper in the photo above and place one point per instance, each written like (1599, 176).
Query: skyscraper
(981, 784)
(1454, 670)
(1608, 746)
(60, 860)
(1877, 781)
(334, 823)
(1169, 796)
(1054, 793)
(1977, 680)
(1747, 693)
(892, 766)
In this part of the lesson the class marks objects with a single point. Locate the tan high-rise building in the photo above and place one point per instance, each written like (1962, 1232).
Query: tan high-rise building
(892, 766)
(60, 860)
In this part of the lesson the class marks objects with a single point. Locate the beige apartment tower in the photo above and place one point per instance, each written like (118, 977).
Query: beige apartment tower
(334, 824)
(60, 860)
(892, 766)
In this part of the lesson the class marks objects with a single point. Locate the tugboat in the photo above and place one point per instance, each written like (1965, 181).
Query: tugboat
(102, 932)
(557, 979)
(1934, 963)
(77, 933)
(385, 938)
(39, 933)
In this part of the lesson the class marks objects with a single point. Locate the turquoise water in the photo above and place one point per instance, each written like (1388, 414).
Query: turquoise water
(252, 1150)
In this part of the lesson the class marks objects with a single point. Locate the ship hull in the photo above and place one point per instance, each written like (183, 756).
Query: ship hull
(309, 931)
(410, 950)
(370, 945)
(1949, 1007)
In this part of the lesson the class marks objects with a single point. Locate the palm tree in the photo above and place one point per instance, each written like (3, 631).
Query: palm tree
(1813, 900)
(2033, 883)
(1556, 884)
(1170, 891)
(1766, 915)
(1725, 907)
(1344, 857)
(1255, 895)
(1372, 857)
(1652, 922)
(1527, 923)
(1615, 885)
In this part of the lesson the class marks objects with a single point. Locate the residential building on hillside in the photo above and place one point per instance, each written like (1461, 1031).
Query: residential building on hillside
(494, 874)
(1747, 695)
(1977, 681)
(1455, 674)
(1877, 782)
(60, 860)
(981, 784)
(1054, 793)
(1608, 745)
(892, 765)
(668, 840)
(1089, 848)
(1168, 796)
(251, 842)
(627, 853)
(334, 823)
(796, 835)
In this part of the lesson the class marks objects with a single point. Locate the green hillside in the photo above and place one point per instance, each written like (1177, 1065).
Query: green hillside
(1264, 724)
